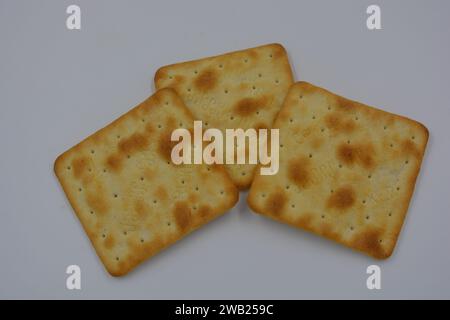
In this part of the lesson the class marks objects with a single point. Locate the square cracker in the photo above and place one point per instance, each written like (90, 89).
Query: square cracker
(243, 89)
(130, 198)
(347, 170)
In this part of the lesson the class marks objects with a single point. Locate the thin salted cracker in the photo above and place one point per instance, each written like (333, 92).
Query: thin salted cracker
(347, 170)
(243, 89)
(130, 198)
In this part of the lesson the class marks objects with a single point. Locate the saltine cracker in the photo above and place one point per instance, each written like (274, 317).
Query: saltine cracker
(130, 198)
(242, 89)
(347, 170)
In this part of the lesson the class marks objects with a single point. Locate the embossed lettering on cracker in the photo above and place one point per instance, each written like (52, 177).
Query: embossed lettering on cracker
(243, 89)
(347, 170)
(130, 198)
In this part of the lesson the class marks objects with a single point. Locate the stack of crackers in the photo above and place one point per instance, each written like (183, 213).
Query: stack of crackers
(347, 171)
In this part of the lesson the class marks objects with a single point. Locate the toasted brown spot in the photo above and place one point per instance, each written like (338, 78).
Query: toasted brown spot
(410, 148)
(182, 214)
(161, 193)
(336, 122)
(79, 166)
(178, 80)
(332, 121)
(136, 142)
(141, 208)
(149, 174)
(160, 74)
(369, 241)
(192, 197)
(206, 80)
(344, 104)
(305, 220)
(261, 125)
(205, 211)
(278, 51)
(253, 54)
(114, 162)
(171, 122)
(306, 88)
(299, 172)
(276, 202)
(97, 202)
(316, 143)
(149, 128)
(109, 241)
(165, 145)
(351, 154)
(341, 199)
(348, 126)
(284, 114)
(248, 106)
(346, 153)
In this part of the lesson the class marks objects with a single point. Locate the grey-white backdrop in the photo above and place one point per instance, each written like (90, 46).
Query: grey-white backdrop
(58, 86)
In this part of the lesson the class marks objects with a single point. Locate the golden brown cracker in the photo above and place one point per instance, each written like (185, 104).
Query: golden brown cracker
(130, 198)
(347, 170)
(243, 89)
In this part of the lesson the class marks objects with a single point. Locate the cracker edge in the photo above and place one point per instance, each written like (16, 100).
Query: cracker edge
(58, 167)
(160, 70)
(252, 203)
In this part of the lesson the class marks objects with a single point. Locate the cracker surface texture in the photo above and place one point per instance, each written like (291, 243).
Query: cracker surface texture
(243, 89)
(347, 170)
(130, 198)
